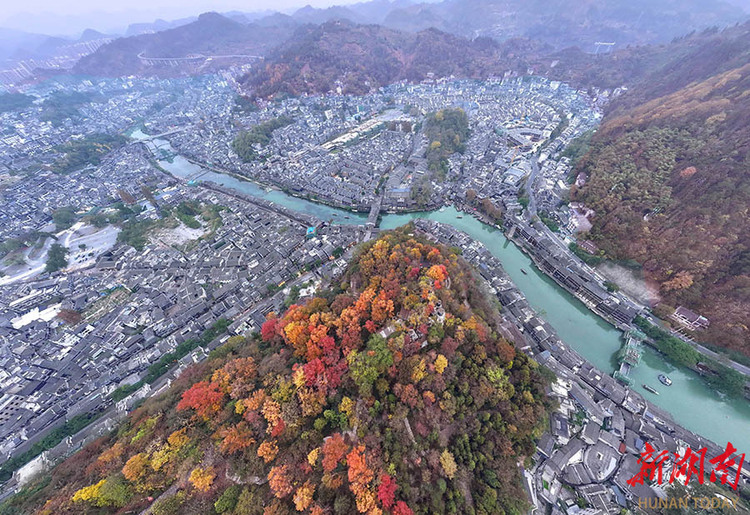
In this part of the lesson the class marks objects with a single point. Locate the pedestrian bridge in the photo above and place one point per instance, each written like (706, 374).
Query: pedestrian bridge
(629, 356)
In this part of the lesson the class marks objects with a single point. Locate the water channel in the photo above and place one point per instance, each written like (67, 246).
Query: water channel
(691, 403)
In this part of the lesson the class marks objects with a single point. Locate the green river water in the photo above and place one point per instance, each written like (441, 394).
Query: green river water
(690, 402)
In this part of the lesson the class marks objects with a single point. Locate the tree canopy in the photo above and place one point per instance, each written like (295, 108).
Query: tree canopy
(388, 393)
(56, 258)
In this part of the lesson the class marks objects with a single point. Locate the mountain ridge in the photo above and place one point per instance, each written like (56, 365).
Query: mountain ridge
(357, 58)
(210, 33)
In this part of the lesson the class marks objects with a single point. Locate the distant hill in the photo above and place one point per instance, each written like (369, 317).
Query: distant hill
(17, 47)
(356, 58)
(309, 14)
(562, 23)
(414, 18)
(92, 35)
(277, 20)
(375, 11)
(558, 23)
(135, 29)
(389, 393)
(16, 44)
(369, 12)
(210, 34)
(669, 181)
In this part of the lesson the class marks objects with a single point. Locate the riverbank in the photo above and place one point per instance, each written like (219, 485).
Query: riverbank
(140, 137)
(308, 198)
(544, 345)
(273, 187)
(586, 294)
(307, 221)
(690, 402)
(714, 373)
(617, 309)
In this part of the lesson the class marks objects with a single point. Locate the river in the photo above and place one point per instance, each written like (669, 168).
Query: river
(179, 166)
(689, 400)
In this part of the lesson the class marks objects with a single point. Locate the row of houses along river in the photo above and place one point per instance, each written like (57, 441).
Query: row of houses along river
(691, 403)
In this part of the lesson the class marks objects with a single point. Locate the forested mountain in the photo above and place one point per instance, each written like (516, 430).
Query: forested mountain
(390, 393)
(309, 14)
(669, 181)
(358, 58)
(210, 34)
(564, 24)
(558, 24)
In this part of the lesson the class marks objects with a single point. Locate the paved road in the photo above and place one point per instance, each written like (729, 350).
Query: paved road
(739, 367)
(721, 358)
(529, 187)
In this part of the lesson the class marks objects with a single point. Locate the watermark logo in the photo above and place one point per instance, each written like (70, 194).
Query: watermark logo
(689, 465)
(705, 503)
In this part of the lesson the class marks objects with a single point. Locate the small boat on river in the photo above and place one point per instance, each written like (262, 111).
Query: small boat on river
(665, 380)
(524, 272)
(650, 389)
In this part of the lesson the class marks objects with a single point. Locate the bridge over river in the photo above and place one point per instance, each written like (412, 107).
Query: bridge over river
(690, 401)
(629, 356)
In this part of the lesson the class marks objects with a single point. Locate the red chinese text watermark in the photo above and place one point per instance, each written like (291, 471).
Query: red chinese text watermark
(688, 465)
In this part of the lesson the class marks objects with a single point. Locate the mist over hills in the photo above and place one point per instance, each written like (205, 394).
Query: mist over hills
(17, 45)
(564, 24)
(557, 23)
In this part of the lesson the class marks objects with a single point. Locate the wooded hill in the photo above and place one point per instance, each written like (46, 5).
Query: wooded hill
(210, 34)
(669, 181)
(389, 393)
(360, 58)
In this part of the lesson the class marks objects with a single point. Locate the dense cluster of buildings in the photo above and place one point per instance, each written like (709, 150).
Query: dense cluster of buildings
(68, 340)
(66, 109)
(133, 307)
(559, 264)
(347, 151)
(30, 203)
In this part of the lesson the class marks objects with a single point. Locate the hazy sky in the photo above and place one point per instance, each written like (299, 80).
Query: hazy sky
(68, 17)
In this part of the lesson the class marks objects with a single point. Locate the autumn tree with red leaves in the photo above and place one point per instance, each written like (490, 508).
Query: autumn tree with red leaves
(204, 397)
(339, 396)
(334, 449)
